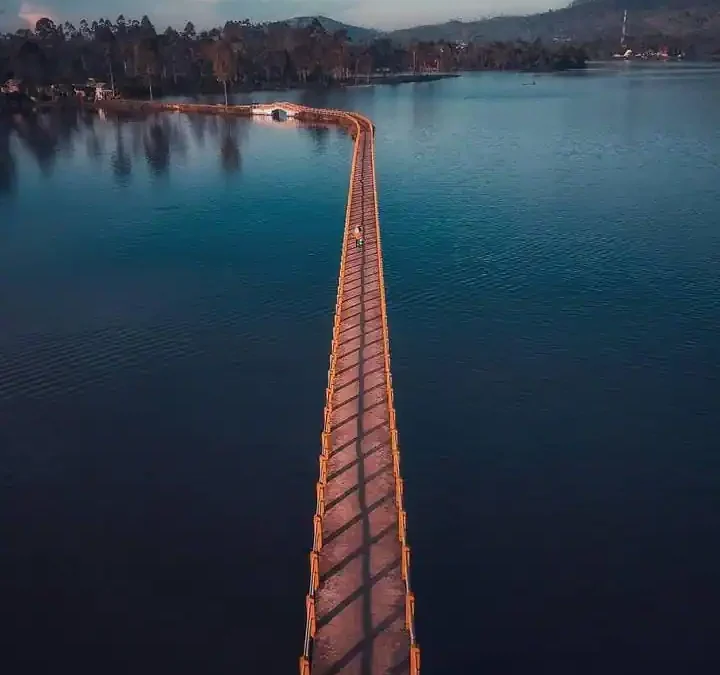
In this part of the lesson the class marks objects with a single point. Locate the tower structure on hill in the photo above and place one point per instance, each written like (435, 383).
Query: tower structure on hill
(623, 38)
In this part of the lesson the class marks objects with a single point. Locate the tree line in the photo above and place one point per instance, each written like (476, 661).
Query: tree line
(134, 58)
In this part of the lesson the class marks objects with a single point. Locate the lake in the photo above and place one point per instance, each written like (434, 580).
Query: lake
(166, 296)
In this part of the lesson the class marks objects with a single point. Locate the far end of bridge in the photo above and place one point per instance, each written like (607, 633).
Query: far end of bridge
(276, 109)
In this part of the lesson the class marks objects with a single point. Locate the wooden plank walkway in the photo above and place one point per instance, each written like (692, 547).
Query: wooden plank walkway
(360, 611)
(361, 599)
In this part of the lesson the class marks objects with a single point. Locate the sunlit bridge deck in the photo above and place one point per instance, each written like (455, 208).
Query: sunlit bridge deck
(360, 609)
(359, 606)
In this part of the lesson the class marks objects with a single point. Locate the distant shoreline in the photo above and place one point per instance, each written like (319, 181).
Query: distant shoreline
(403, 78)
(389, 79)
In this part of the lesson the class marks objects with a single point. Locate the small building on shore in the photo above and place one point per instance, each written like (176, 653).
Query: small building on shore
(102, 93)
(11, 86)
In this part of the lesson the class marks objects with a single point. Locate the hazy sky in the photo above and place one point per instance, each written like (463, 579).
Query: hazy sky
(206, 13)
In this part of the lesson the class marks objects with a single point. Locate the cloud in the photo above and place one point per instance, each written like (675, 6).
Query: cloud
(31, 13)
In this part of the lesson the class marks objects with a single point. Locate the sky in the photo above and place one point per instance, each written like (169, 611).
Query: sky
(384, 14)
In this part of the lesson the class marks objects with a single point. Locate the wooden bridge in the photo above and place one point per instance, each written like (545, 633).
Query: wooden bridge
(360, 609)
(359, 606)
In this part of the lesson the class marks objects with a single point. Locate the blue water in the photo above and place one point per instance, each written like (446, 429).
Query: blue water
(166, 288)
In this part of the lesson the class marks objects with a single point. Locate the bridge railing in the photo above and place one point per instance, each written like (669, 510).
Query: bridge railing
(394, 446)
(310, 609)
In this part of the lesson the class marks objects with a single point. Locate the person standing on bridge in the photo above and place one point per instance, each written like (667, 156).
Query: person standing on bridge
(358, 232)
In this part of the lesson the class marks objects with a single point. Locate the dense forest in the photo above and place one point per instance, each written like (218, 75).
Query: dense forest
(135, 59)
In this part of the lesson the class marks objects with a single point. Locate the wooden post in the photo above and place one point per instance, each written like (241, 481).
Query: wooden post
(315, 569)
(409, 610)
(405, 561)
(414, 660)
(317, 527)
(310, 607)
(323, 469)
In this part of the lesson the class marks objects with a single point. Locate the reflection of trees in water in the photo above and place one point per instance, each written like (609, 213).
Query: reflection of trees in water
(230, 157)
(424, 107)
(37, 140)
(212, 126)
(87, 120)
(178, 139)
(122, 139)
(156, 141)
(63, 126)
(94, 146)
(8, 170)
(42, 137)
(230, 154)
(120, 159)
(320, 135)
(137, 131)
(87, 117)
(197, 126)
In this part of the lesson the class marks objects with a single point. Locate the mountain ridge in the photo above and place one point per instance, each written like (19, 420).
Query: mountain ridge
(581, 21)
(354, 33)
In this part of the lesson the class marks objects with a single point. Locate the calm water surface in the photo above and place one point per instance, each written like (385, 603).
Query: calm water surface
(166, 288)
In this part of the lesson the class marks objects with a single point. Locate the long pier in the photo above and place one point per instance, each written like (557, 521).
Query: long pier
(360, 609)
(359, 604)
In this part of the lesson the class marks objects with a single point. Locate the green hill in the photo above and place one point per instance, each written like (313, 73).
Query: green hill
(587, 21)
(355, 33)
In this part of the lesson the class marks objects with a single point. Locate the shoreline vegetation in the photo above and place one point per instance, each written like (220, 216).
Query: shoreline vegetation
(19, 102)
(307, 116)
(131, 59)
